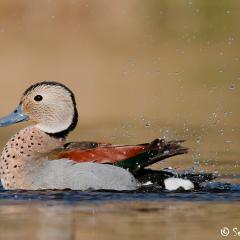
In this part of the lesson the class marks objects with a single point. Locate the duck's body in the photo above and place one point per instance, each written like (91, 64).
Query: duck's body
(25, 164)
(38, 157)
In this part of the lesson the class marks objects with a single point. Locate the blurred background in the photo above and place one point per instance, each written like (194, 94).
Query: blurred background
(140, 70)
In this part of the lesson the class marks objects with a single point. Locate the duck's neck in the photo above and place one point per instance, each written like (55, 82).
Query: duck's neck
(25, 151)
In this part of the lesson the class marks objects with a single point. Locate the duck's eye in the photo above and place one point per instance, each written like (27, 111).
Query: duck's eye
(38, 98)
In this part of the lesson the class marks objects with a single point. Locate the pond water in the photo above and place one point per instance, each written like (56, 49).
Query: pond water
(117, 220)
(122, 215)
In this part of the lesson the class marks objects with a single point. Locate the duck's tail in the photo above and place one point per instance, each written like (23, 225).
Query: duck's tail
(156, 151)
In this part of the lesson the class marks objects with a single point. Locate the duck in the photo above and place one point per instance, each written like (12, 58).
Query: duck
(39, 157)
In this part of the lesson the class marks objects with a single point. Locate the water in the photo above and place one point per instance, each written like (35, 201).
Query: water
(214, 191)
(146, 213)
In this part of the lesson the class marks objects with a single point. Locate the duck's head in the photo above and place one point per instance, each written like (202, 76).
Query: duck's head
(50, 105)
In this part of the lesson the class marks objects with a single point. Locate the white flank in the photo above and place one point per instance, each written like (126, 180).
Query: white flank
(66, 174)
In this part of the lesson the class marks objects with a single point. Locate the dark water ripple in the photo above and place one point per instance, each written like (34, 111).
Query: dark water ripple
(211, 192)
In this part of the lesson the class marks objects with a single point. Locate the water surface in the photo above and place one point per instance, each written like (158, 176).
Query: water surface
(121, 215)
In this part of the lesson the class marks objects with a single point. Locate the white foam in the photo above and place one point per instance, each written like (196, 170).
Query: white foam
(172, 184)
(147, 183)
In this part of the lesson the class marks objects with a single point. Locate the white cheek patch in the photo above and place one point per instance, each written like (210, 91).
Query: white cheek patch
(60, 122)
(55, 127)
(172, 184)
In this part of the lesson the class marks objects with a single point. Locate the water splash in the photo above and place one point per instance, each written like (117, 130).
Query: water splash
(232, 87)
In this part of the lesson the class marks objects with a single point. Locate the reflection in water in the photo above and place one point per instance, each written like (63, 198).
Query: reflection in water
(125, 220)
(36, 222)
(103, 215)
(55, 223)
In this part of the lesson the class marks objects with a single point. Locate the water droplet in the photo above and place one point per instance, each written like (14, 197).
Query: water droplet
(232, 86)
(147, 124)
(206, 162)
(214, 119)
(124, 72)
(221, 131)
(196, 159)
(226, 114)
(198, 140)
(230, 40)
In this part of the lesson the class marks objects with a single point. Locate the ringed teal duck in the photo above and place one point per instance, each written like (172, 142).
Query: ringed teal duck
(38, 157)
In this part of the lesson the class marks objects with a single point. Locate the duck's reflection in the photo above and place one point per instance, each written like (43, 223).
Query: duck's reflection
(116, 220)
(36, 222)
(55, 223)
